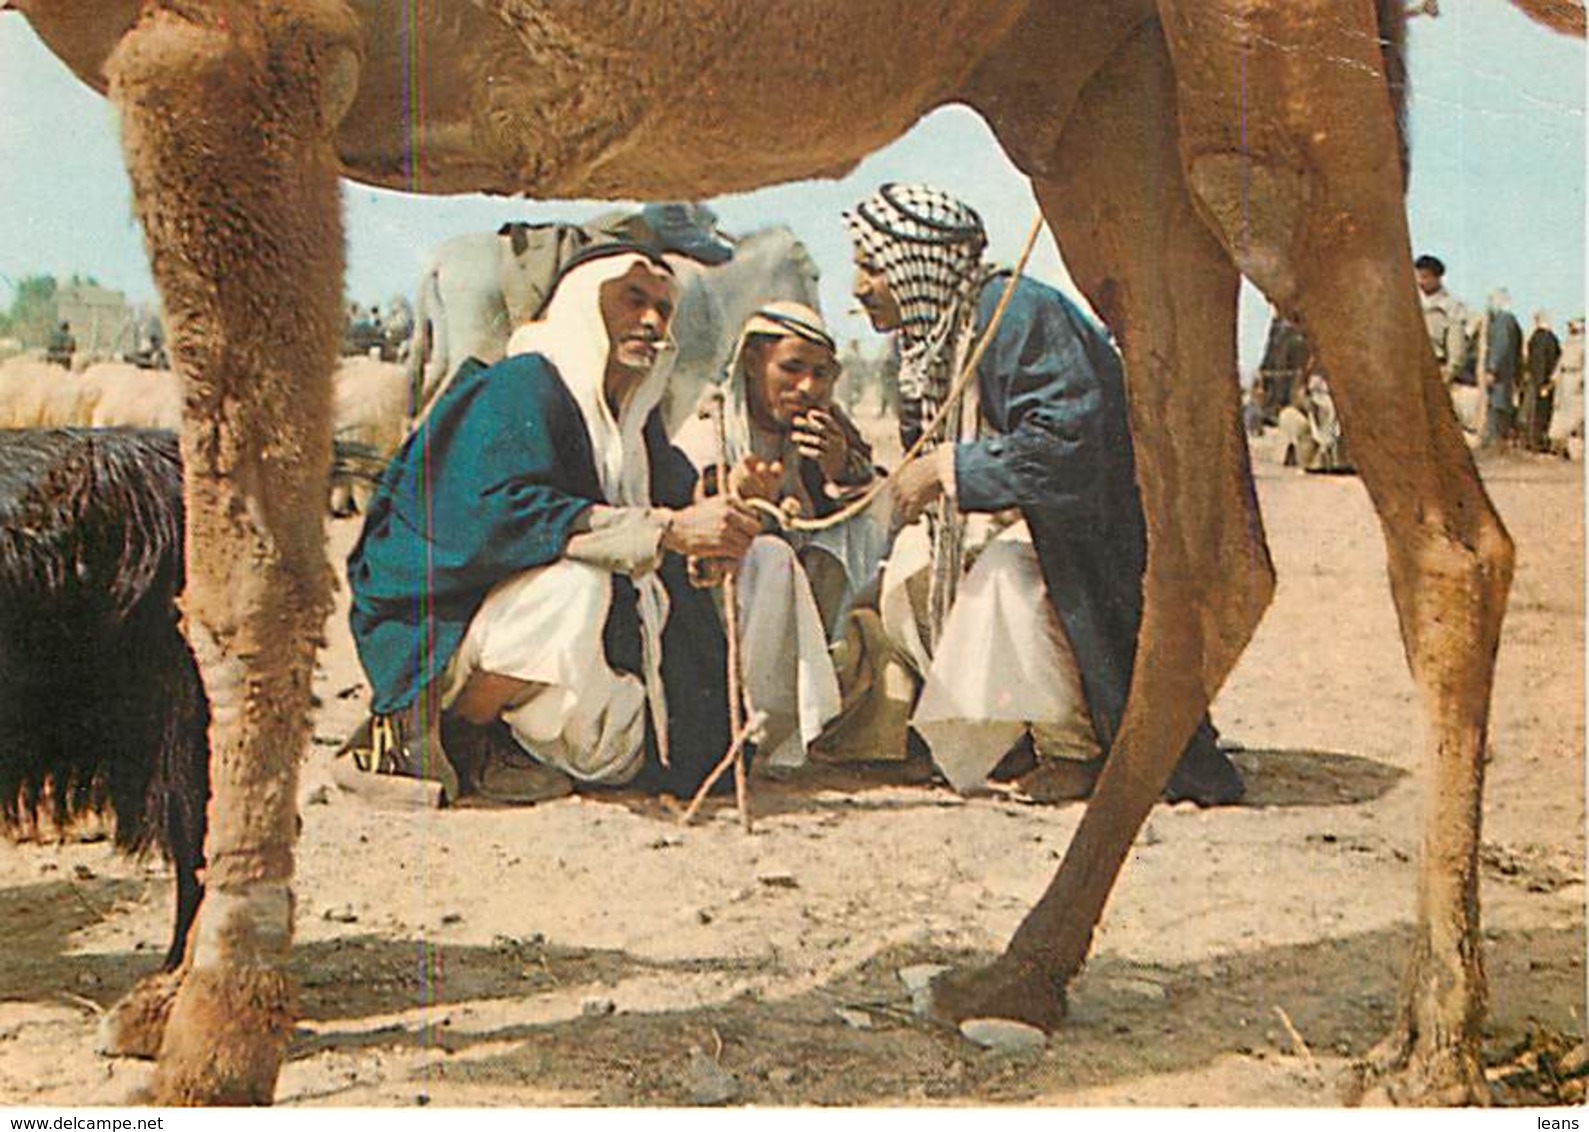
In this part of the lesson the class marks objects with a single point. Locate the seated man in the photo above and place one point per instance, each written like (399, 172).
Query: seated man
(1312, 430)
(1039, 638)
(522, 562)
(792, 446)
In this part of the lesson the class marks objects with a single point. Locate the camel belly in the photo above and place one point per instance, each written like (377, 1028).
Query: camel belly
(561, 99)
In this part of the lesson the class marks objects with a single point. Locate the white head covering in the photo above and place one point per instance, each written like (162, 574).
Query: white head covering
(572, 335)
(698, 437)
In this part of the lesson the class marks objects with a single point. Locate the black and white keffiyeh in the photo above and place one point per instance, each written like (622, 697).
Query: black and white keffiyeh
(928, 246)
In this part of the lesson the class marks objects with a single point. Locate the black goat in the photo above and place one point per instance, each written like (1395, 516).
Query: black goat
(100, 698)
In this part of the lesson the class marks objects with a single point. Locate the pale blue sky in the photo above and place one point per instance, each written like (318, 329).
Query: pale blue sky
(1497, 187)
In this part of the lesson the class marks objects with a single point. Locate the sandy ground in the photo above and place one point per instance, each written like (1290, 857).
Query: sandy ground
(579, 951)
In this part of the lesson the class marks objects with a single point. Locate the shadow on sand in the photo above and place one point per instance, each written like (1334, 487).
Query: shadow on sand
(1127, 1019)
(1275, 778)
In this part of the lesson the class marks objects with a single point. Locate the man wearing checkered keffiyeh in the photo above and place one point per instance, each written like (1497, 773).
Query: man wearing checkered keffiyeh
(928, 247)
(1034, 656)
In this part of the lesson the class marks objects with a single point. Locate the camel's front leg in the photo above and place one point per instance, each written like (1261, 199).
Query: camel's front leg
(227, 111)
(1114, 193)
(1296, 166)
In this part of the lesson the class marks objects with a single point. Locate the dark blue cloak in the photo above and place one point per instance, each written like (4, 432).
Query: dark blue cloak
(1053, 393)
(488, 486)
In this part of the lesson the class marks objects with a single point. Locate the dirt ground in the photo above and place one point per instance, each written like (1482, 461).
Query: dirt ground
(592, 951)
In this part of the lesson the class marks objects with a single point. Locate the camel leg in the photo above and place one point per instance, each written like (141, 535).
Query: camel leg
(1113, 192)
(1294, 162)
(227, 111)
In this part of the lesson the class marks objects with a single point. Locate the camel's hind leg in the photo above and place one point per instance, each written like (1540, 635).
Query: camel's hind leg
(1113, 190)
(1290, 143)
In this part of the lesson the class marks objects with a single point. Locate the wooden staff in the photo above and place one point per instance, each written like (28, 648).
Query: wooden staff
(713, 405)
(736, 705)
(735, 757)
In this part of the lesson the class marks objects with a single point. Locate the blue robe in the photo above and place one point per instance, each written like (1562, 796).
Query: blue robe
(1053, 397)
(490, 485)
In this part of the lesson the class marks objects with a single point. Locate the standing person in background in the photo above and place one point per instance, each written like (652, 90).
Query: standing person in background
(61, 346)
(1443, 316)
(1502, 366)
(1566, 419)
(1284, 365)
(1534, 402)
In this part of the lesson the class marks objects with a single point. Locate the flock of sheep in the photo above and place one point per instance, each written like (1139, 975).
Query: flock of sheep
(370, 397)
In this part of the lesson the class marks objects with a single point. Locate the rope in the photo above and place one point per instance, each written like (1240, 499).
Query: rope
(948, 525)
(736, 704)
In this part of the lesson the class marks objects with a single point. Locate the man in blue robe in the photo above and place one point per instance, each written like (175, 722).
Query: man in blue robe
(1047, 444)
(520, 576)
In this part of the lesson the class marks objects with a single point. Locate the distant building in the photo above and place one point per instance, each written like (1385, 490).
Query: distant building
(99, 317)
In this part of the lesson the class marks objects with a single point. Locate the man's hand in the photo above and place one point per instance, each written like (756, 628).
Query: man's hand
(718, 527)
(920, 482)
(756, 479)
(819, 438)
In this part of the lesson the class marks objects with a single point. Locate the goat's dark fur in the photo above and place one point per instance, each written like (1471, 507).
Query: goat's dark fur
(100, 698)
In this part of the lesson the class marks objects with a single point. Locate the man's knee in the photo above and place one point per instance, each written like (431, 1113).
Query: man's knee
(595, 733)
(1005, 556)
(769, 554)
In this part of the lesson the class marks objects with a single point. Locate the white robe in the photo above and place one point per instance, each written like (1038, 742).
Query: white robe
(1566, 417)
(783, 646)
(1003, 665)
(544, 627)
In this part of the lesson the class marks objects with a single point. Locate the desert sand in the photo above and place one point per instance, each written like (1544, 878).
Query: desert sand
(590, 950)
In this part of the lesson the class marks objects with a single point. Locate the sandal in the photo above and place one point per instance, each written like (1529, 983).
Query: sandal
(397, 746)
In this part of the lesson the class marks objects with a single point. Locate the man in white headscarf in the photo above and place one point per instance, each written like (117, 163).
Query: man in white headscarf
(779, 416)
(520, 576)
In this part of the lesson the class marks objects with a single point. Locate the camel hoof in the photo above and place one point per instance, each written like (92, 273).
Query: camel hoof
(1000, 990)
(135, 1025)
(1400, 1072)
